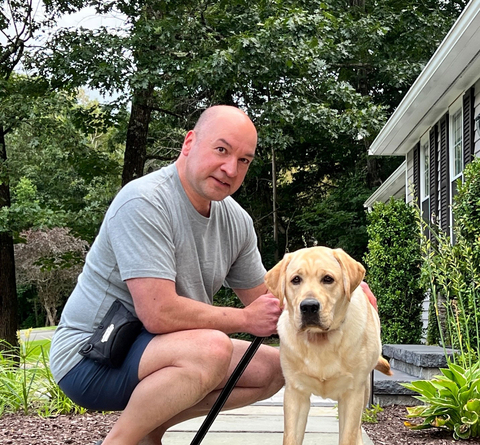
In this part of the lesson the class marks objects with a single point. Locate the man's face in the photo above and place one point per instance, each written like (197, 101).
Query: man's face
(217, 159)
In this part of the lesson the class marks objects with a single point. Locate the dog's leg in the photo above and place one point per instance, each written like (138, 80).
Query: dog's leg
(296, 407)
(350, 408)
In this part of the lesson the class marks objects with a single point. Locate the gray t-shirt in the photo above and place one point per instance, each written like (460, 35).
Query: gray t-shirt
(152, 230)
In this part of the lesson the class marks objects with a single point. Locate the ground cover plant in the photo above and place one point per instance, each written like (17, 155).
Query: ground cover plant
(26, 382)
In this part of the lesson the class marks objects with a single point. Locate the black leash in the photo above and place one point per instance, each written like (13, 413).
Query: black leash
(226, 391)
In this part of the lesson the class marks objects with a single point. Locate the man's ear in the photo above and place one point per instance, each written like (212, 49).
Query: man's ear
(275, 278)
(353, 271)
(188, 142)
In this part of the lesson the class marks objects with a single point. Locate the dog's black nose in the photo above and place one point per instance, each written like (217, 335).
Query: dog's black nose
(309, 306)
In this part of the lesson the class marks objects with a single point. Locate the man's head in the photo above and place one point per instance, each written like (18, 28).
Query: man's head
(216, 155)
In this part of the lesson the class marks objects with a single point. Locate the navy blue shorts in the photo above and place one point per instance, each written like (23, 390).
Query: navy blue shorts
(101, 388)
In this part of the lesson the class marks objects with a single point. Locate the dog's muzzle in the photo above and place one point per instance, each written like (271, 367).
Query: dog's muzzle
(310, 308)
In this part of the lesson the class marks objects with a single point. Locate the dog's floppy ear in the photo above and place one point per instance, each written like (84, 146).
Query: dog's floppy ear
(275, 278)
(353, 271)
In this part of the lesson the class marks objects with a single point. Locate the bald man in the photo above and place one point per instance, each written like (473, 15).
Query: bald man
(168, 242)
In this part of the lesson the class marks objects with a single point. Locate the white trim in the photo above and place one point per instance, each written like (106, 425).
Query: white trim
(392, 184)
(453, 68)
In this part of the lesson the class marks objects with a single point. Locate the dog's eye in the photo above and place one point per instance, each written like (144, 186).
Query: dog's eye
(296, 280)
(327, 279)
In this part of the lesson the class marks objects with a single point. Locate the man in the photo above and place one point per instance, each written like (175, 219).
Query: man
(167, 244)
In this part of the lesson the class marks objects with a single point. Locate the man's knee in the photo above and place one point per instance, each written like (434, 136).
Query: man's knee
(273, 374)
(215, 357)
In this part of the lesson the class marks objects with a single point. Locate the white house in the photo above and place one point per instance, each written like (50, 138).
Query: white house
(436, 127)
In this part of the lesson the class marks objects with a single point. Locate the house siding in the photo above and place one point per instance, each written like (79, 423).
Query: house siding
(439, 164)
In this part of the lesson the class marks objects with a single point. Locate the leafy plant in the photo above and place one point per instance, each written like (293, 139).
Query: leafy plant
(452, 401)
(393, 264)
(27, 384)
(370, 415)
(18, 378)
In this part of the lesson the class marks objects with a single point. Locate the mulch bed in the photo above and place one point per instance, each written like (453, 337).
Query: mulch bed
(390, 430)
(86, 429)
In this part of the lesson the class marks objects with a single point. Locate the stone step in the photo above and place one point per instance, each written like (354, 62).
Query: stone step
(408, 363)
(387, 390)
(422, 356)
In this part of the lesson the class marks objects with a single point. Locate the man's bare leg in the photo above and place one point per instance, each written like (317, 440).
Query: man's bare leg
(198, 363)
(262, 379)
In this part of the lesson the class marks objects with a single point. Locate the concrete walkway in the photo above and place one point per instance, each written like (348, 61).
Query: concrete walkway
(260, 423)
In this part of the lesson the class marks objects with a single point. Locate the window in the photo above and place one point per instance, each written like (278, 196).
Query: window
(455, 153)
(425, 178)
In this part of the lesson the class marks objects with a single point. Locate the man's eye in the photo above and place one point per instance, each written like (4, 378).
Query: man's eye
(245, 161)
(221, 149)
(327, 279)
(296, 280)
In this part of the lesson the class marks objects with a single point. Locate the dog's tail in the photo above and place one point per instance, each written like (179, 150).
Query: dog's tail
(383, 366)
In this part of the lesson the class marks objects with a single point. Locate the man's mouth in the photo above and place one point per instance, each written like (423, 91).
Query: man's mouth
(223, 184)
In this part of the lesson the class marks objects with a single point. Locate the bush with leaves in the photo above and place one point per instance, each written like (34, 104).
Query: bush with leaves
(50, 260)
(393, 270)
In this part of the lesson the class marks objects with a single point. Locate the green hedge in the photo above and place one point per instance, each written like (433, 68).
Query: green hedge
(393, 263)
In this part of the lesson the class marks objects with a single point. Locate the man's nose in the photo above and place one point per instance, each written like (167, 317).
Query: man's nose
(230, 167)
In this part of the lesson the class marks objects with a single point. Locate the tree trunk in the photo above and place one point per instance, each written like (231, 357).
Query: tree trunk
(137, 133)
(8, 287)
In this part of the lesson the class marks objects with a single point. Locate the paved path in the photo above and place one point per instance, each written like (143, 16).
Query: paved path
(260, 423)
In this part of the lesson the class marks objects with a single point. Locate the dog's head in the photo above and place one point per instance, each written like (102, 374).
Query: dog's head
(315, 285)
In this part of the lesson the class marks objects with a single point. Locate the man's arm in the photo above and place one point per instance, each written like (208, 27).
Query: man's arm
(162, 310)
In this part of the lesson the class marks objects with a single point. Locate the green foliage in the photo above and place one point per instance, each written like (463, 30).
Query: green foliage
(26, 211)
(466, 208)
(451, 401)
(393, 270)
(338, 220)
(453, 271)
(318, 78)
(370, 415)
(26, 383)
(64, 166)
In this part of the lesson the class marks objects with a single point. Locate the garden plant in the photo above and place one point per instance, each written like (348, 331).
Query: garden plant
(452, 399)
(26, 383)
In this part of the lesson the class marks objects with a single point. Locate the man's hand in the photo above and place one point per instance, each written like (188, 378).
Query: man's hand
(369, 294)
(262, 315)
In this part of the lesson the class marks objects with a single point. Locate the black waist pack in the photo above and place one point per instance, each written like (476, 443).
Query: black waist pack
(111, 341)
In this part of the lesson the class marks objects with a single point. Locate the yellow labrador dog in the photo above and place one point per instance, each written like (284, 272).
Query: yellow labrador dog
(329, 338)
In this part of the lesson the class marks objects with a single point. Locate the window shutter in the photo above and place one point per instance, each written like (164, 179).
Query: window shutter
(444, 175)
(416, 174)
(468, 126)
(433, 173)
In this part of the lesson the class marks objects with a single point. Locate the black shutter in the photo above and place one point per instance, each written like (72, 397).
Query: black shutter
(433, 173)
(468, 126)
(444, 176)
(416, 174)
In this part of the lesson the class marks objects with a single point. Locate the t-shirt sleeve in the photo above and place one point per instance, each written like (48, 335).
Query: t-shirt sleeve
(248, 270)
(142, 240)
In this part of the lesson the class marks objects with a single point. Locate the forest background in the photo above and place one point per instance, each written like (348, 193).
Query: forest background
(318, 78)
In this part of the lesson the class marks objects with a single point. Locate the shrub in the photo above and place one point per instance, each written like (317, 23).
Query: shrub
(452, 400)
(393, 265)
